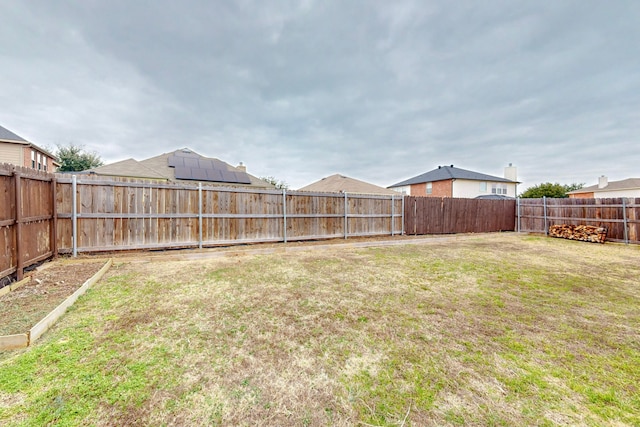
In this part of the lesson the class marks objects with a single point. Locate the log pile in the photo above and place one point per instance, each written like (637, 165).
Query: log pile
(585, 233)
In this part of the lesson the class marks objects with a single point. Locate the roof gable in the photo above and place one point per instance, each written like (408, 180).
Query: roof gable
(444, 173)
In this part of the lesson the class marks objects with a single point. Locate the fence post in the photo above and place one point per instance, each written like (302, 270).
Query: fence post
(518, 214)
(345, 215)
(393, 214)
(200, 215)
(53, 236)
(544, 203)
(284, 215)
(18, 200)
(74, 215)
(402, 222)
(624, 217)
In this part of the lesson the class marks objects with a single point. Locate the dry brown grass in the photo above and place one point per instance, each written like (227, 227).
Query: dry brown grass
(494, 330)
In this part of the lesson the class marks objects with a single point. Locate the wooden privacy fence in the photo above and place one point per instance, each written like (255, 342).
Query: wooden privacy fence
(43, 214)
(27, 218)
(621, 216)
(95, 214)
(431, 215)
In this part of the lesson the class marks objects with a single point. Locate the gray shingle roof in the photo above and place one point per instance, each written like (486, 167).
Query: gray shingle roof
(443, 173)
(7, 135)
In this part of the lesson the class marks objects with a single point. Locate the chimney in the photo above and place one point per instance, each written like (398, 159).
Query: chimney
(603, 181)
(511, 172)
(241, 167)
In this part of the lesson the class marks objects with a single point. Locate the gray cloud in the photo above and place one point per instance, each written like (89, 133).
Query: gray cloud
(380, 91)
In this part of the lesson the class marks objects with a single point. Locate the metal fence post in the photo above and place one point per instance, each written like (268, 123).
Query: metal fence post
(624, 217)
(284, 215)
(200, 215)
(345, 215)
(74, 215)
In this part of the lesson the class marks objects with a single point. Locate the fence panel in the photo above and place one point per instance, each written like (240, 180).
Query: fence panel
(133, 214)
(27, 218)
(8, 254)
(434, 215)
(619, 215)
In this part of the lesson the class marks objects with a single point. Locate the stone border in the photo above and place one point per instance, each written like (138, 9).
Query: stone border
(11, 342)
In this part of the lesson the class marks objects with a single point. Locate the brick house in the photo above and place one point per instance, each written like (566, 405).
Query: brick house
(449, 181)
(18, 151)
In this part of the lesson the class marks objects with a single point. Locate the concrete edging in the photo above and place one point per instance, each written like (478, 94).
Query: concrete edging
(10, 342)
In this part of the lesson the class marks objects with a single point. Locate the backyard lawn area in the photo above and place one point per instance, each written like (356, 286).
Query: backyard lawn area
(502, 329)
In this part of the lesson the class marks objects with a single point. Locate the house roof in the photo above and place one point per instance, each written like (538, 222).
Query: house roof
(625, 184)
(7, 135)
(183, 165)
(127, 168)
(343, 184)
(445, 173)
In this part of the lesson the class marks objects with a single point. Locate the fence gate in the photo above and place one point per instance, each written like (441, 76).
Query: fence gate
(27, 218)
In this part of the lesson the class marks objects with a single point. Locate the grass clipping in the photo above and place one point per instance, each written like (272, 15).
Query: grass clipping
(503, 329)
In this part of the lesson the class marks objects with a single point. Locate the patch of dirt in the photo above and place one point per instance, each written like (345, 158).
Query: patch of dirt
(49, 285)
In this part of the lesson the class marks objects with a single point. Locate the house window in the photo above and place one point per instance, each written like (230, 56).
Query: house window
(429, 187)
(483, 187)
(44, 162)
(499, 188)
(33, 159)
(39, 161)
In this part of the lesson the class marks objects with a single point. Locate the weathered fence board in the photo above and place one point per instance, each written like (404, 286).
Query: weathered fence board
(621, 216)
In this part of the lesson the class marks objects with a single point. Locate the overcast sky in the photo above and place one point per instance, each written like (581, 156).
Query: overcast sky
(375, 90)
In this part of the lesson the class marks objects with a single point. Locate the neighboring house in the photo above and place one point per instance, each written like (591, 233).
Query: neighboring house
(449, 181)
(343, 184)
(18, 151)
(629, 187)
(182, 165)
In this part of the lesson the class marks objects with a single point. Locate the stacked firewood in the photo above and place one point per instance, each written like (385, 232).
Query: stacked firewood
(585, 233)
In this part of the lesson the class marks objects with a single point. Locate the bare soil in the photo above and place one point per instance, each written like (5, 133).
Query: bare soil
(50, 285)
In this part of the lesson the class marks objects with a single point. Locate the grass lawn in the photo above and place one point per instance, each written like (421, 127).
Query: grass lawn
(498, 329)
